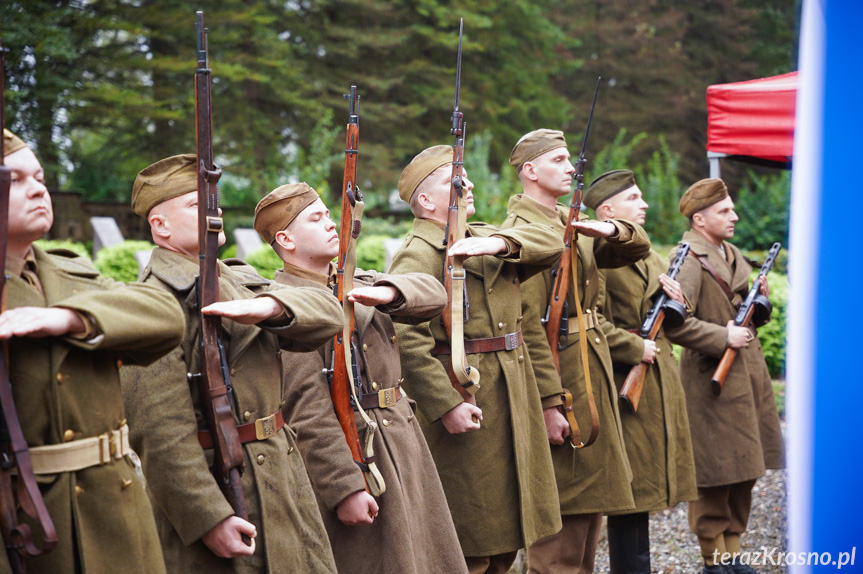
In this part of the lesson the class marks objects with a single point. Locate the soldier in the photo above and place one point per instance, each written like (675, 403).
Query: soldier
(492, 457)
(596, 479)
(735, 436)
(68, 330)
(197, 526)
(657, 435)
(411, 516)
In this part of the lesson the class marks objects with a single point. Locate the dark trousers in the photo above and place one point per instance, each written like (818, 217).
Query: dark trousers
(629, 543)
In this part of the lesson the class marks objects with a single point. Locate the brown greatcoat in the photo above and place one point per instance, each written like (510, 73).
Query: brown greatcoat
(497, 480)
(63, 385)
(734, 436)
(165, 414)
(657, 435)
(596, 478)
(413, 531)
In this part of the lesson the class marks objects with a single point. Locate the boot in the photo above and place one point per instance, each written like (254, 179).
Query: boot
(623, 544)
(643, 555)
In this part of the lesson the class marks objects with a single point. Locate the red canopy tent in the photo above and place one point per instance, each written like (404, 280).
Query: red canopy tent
(752, 121)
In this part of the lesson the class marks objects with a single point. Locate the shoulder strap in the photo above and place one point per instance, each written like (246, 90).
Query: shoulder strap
(722, 284)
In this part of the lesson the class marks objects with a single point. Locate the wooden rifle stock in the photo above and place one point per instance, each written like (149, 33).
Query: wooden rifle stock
(345, 378)
(17, 536)
(743, 319)
(214, 379)
(630, 393)
(464, 378)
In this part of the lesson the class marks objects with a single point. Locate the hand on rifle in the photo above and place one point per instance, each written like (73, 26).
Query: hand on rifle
(246, 311)
(40, 322)
(225, 540)
(556, 425)
(373, 296)
(672, 288)
(358, 508)
(595, 228)
(738, 337)
(650, 350)
(473, 246)
(464, 417)
(765, 288)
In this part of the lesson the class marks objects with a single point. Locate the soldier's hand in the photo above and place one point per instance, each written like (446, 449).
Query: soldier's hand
(765, 288)
(473, 246)
(40, 322)
(556, 425)
(225, 538)
(246, 311)
(595, 228)
(738, 337)
(672, 288)
(373, 296)
(358, 508)
(464, 417)
(649, 354)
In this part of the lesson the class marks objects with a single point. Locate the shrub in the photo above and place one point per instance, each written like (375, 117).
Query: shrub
(265, 261)
(371, 254)
(119, 262)
(772, 335)
(74, 246)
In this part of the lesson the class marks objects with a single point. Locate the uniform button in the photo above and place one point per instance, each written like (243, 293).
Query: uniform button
(282, 405)
(410, 417)
(374, 386)
(127, 482)
(520, 317)
(365, 347)
(290, 449)
(597, 339)
(393, 339)
(521, 358)
(261, 459)
(60, 378)
(588, 311)
(78, 490)
(658, 350)
(386, 422)
(587, 281)
(500, 325)
(233, 372)
(490, 290)
(68, 435)
(247, 415)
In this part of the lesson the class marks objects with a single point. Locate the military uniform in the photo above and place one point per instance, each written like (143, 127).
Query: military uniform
(595, 479)
(497, 479)
(166, 416)
(413, 531)
(68, 389)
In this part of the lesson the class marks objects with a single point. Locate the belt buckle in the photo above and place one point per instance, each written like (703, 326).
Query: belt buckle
(265, 427)
(387, 398)
(510, 341)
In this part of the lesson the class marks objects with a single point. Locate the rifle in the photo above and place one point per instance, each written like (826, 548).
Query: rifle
(464, 378)
(214, 378)
(17, 537)
(665, 311)
(345, 378)
(557, 314)
(755, 310)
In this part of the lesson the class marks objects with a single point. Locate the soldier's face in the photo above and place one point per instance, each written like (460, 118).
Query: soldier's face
(716, 222)
(628, 204)
(179, 216)
(437, 186)
(30, 211)
(554, 171)
(314, 235)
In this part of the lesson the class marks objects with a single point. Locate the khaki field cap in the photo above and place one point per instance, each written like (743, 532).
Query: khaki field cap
(11, 143)
(166, 179)
(702, 194)
(280, 207)
(533, 145)
(422, 166)
(608, 185)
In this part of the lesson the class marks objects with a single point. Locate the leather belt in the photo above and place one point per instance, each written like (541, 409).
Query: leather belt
(261, 429)
(506, 342)
(589, 319)
(82, 453)
(383, 399)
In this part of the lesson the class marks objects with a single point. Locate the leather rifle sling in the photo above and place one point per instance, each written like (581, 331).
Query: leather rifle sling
(375, 480)
(468, 377)
(722, 284)
(575, 437)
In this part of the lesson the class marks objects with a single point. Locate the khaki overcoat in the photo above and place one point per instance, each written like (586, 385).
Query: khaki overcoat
(413, 531)
(596, 478)
(498, 480)
(734, 436)
(165, 415)
(63, 385)
(658, 445)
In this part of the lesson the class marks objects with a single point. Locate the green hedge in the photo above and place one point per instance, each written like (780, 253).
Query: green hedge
(118, 262)
(74, 246)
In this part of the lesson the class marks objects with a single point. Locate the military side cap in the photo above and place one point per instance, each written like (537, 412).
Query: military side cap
(166, 179)
(533, 145)
(11, 143)
(702, 194)
(607, 185)
(422, 166)
(280, 207)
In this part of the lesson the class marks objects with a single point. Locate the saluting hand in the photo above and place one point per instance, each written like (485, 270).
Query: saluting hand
(464, 417)
(595, 228)
(473, 246)
(246, 311)
(556, 425)
(40, 322)
(358, 508)
(225, 538)
(373, 296)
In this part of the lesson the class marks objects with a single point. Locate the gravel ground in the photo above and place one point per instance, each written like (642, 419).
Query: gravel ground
(674, 550)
